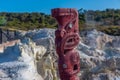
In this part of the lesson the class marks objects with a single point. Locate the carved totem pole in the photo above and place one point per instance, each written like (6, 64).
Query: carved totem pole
(67, 38)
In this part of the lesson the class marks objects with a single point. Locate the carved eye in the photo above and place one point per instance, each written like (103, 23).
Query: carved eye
(70, 40)
(70, 25)
(64, 66)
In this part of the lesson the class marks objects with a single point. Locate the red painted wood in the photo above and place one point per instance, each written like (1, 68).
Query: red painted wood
(67, 38)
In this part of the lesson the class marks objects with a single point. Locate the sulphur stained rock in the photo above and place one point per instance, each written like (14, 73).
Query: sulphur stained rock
(46, 68)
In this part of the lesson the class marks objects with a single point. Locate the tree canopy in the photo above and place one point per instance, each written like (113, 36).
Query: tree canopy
(26, 21)
(2, 21)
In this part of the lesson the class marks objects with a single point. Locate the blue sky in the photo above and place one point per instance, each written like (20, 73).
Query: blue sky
(46, 5)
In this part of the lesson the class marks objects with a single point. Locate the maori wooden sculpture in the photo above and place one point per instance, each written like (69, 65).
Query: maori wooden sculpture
(66, 41)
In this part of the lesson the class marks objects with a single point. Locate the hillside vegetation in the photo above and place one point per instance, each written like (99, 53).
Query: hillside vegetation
(106, 20)
(27, 21)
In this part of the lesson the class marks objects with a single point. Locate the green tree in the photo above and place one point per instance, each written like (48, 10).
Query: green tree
(2, 21)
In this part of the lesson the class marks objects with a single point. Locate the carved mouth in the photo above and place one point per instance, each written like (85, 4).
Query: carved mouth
(71, 41)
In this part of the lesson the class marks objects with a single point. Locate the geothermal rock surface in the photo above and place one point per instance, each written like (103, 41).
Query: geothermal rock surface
(33, 57)
(17, 62)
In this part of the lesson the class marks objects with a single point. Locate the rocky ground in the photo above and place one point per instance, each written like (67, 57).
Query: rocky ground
(34, 57)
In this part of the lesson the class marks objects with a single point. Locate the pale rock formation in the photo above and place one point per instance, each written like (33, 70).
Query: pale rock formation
(46, 66)
(18, 62)
(99, 40)
(99, 57)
